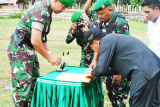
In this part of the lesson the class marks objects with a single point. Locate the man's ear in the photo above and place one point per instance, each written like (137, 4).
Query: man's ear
(111, 9)
(96, 42)
(156, 8)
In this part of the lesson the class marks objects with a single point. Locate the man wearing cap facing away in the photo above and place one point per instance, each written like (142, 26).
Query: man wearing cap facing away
(75, 32)
(110, 22)
(125, 55)
(29, 38)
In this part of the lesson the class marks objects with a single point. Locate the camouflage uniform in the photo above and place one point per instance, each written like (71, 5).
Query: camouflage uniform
(94, 18)
(87, 55)
(118, 94)
(23, 59)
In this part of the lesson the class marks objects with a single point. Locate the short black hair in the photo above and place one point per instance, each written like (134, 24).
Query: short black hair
(151, 3)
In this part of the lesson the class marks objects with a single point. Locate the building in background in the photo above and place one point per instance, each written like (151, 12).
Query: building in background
(22, 4)
(12, 4)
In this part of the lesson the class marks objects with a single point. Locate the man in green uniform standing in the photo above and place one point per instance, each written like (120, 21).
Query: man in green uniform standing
(29, 38)
(75, 32)
(110, 22)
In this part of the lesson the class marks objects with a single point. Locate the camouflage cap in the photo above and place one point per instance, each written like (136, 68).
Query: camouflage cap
(101, 4)
(76, 16)
(68, 3)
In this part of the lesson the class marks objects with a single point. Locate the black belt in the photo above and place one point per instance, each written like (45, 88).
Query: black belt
(20, 38)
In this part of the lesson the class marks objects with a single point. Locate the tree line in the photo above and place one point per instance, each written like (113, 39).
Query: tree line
(127, 2)
(117, 2)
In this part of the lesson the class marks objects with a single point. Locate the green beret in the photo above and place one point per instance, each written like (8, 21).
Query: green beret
(68, 3)
(101, 4)
(76, 16)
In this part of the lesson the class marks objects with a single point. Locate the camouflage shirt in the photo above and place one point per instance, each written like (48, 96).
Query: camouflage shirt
(120, 26)
(79, 35)
(93, 22)
(87, 55)
(38, 16)
(93, 17)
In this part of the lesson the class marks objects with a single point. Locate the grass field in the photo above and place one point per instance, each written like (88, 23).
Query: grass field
(57, 45)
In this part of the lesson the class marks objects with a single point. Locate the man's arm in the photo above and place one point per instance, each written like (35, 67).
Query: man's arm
(92, 15)
(111, 72)
(87, 5)
(105, 58)
(72, 33)
(70, 37)
(38, 45)
(88, 72)
(94, 61)
(46, 46)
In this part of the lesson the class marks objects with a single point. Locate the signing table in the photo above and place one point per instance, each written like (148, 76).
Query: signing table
(49, 92)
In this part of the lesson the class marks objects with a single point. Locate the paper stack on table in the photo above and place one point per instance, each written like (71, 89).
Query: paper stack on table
(73, 77)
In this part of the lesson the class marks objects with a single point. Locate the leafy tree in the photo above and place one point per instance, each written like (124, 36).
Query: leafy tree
(27, 2)
(129, 2)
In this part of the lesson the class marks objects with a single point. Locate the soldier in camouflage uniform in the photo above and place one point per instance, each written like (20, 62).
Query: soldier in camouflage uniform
(75, 32)
(111, 22)
(31, 31)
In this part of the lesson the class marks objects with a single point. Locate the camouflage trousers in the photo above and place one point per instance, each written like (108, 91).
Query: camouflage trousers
(117, 94)
(83, 64)
(86, 59)
(24, 72)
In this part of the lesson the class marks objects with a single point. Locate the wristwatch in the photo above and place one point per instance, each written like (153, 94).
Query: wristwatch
(49, 52)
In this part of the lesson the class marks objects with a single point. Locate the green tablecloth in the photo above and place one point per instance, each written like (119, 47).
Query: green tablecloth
(49, 92)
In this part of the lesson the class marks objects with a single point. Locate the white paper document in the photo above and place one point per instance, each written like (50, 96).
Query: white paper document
(73, 75)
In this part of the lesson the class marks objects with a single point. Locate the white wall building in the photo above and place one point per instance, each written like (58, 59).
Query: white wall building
(11, 4)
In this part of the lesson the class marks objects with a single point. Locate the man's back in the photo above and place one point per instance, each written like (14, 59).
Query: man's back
(129, 51)
(129, 57)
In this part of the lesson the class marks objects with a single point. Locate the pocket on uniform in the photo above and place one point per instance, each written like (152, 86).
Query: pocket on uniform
(22, 56)
(23, 79)
(31, 53)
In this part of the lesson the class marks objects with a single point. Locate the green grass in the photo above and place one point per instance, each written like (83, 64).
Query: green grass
(139, 30)
(57, 45)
